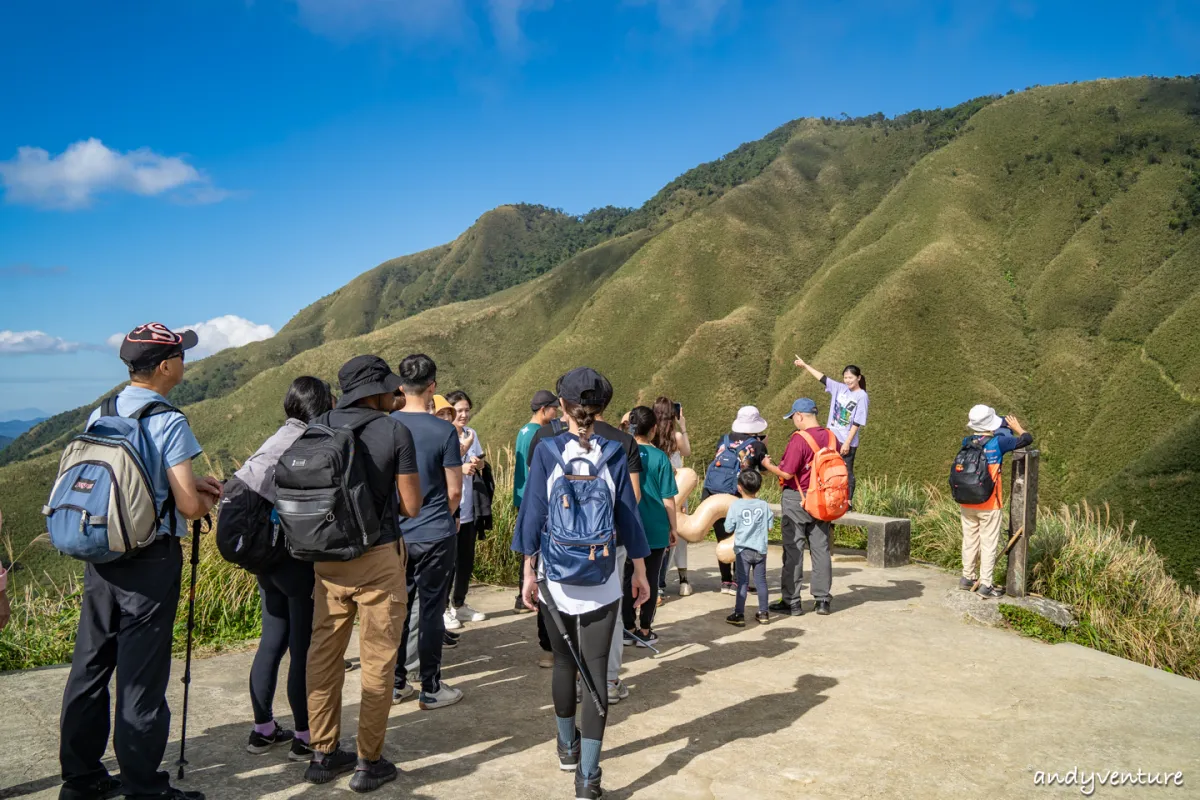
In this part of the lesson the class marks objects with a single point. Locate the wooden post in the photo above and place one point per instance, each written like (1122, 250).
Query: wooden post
(1022, 516)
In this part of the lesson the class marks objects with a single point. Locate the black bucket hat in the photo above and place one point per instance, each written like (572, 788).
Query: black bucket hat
(365, 376)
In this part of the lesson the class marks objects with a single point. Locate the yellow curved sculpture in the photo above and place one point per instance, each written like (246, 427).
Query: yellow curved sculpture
(695, 526)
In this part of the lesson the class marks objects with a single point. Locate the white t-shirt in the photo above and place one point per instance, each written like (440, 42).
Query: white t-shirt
(467, 508)
(569, 598)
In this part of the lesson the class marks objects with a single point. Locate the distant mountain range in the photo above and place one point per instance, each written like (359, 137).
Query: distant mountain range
(12, 428)
(24, 413)
(1038, 252)
(5, 441)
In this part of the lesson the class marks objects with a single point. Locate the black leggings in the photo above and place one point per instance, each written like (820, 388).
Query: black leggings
(629, 614)
(591, 634)
(722, 534)
(464, 563)
(287, 616)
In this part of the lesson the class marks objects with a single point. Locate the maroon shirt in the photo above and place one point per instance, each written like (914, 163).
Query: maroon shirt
(798, 456)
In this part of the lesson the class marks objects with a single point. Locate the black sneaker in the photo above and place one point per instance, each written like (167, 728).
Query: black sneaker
(762, 618)
(173, 793)
(453, 635)
(104, 788)
(588, 788)
(449, 642)
(260, 743)
(324, 767)
(370, 775)
(752, 589)
(779, 605)
(300, 751)
(627, 639)
(823, 607)
(568, 757)
(736, 619)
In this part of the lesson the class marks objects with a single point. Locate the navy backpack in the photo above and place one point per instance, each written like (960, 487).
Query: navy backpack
(722, 474)
(579, 544)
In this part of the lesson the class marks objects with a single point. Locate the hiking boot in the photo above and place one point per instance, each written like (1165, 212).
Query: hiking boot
(965, 584)
(762, 618)
(324, 767)
(617, 691)
(370, 775)
(261, 743)
(546, 659)
(446, 695)
(736, 619)
(104, 788)
(685, 589)
(468, 614)
(647, 639)
(588, 788)
(402, 693)
(568, 757)
(450, 618)
(449, 641)
(823, 607)
(989, 592)
(300, 751)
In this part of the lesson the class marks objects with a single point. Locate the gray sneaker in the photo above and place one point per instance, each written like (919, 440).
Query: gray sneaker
(965, 584)
(617, 691)
(989, 592)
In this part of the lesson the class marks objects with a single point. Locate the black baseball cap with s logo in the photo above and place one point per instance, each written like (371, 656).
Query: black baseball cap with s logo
(147, 346)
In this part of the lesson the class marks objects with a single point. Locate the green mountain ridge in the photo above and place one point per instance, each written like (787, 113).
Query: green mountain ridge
(1038, 252)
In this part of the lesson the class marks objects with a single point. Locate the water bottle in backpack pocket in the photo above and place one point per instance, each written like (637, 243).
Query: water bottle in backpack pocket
(102, 506)
(579, 544)
(248, 533)
(322, 498)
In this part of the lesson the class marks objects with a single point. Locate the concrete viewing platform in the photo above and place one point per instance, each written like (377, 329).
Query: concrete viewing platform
(894, 695)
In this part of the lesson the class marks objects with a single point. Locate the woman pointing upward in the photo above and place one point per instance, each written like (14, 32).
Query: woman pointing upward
(847, 409)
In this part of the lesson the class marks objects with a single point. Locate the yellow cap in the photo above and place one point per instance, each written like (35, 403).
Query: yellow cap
(440, 404)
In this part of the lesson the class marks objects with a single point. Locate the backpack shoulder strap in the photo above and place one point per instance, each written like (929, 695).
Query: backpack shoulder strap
(151, 409)
(811, 441)
(109, 407)
(366, 420)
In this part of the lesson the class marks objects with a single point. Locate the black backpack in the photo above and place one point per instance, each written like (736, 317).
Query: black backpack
(322, 497)
(970, 478)
(246, 534)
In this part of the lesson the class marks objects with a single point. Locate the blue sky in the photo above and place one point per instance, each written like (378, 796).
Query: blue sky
(230, 161)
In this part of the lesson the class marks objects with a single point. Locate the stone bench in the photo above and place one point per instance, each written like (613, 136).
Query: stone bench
(888, 538)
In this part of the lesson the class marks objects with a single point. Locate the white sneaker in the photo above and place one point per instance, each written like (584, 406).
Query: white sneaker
(617, 691)
(446, 695)
(465, 612)
(451, 620)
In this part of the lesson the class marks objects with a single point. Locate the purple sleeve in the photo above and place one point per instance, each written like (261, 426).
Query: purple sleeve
(860, 412)
(832, 386)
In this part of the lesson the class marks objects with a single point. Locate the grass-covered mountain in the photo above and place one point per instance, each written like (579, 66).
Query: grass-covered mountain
(1039, 252)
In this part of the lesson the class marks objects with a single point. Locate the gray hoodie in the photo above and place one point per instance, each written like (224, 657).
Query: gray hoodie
(259, 470)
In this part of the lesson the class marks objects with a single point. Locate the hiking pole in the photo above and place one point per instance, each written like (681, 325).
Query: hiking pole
(191, 624)
(643, 642)
(556, 618)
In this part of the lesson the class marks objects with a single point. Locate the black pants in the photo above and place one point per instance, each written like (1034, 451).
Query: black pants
(464, 563)
(591, 634)
(287, 617)
(849, 459)
(125, 623)
(630, 615)
(428, 577)
(722, 534)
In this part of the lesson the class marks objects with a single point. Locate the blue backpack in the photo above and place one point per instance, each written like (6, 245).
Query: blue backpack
(722, 474)
(579, 544)
(102, 505)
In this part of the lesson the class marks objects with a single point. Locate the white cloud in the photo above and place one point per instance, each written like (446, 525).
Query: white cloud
(419, 19)
(215, 335)
(86, 168)
(19, 343)
(688, 17)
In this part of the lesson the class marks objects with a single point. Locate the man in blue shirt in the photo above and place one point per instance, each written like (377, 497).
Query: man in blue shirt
(429, 537)
(128, 611)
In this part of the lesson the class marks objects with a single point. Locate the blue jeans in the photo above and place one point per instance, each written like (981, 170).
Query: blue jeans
(751, 562)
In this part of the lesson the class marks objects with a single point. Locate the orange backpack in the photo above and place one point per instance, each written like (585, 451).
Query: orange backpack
(828, 495)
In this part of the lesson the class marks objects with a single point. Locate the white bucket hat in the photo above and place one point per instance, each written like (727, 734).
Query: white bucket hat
(749, 421)
(983, 419)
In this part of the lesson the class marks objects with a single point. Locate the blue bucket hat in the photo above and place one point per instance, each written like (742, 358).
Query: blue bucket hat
(802, 406)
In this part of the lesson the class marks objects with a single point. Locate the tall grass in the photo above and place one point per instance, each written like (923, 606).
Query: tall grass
(1127, 602)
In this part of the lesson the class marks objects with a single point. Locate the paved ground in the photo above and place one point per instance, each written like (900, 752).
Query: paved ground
(892, 696)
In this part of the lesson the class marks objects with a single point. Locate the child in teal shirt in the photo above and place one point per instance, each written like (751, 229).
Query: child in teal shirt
(750, 519)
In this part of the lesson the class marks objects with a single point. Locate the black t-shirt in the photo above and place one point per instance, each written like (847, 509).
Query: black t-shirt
(633, 456)
(389, 451)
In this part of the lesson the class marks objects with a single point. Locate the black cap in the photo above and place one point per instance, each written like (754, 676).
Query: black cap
(147, 346)
(541, 399)
(365, 376)
(584, 386)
